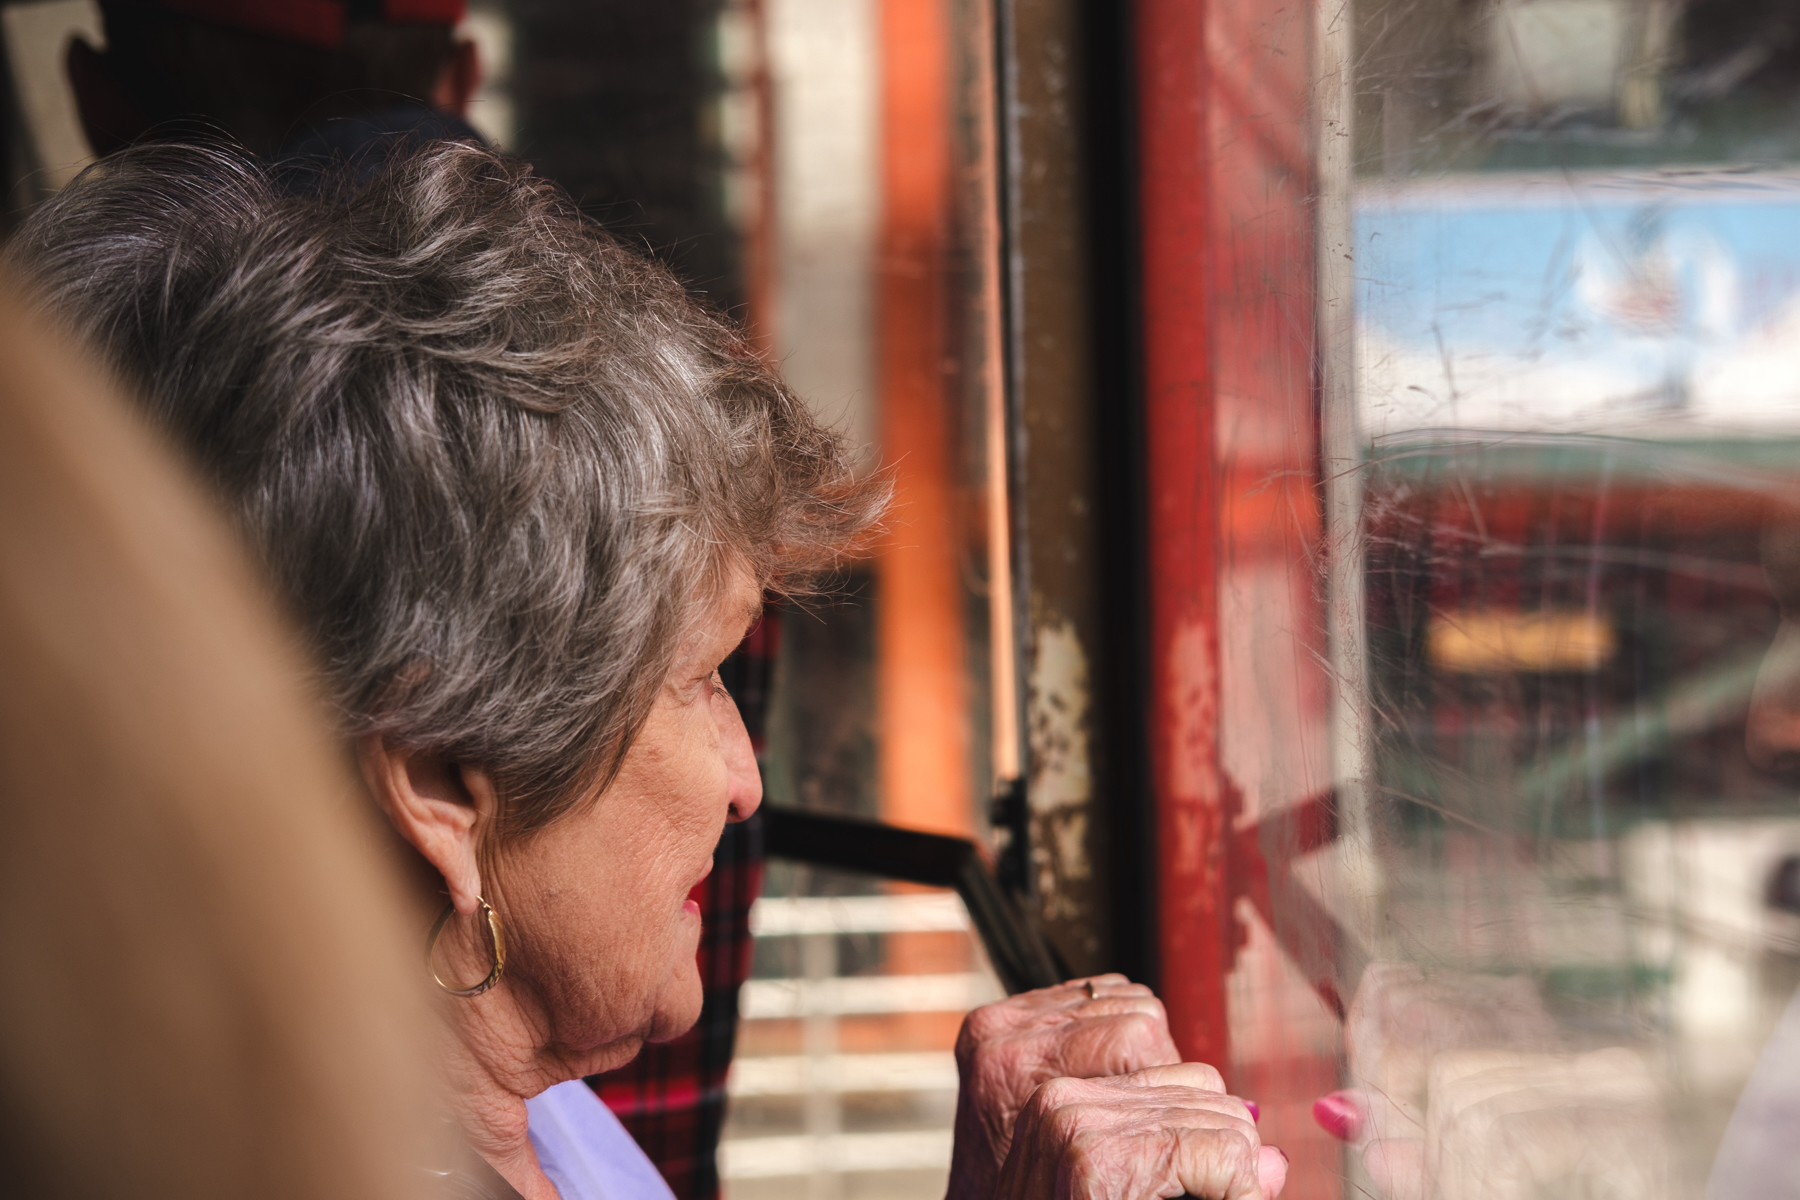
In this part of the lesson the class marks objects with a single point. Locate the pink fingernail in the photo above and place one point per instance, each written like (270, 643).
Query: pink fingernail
(1339, 1115)
(1255, 1111)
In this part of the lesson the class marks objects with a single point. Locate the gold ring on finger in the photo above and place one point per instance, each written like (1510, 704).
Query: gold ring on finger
(1089, 985)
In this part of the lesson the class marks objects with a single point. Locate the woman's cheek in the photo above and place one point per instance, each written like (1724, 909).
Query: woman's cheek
(678, 996)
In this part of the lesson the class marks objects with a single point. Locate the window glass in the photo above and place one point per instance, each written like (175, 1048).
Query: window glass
(1567, 887)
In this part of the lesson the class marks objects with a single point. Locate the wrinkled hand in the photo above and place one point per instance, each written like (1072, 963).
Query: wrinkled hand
(1459, 1086)
(1163, 1132)
(1388, 1136)
(1006, 1050)
(1399, 1022)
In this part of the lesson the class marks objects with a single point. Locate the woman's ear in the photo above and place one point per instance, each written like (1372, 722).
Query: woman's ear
(439, 807)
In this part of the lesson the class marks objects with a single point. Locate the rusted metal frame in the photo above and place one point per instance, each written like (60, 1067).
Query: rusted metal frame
(1065, 652)
(1010, 815)
(1068, 208)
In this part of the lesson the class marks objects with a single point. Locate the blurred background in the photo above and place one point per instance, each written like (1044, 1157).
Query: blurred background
(1333, 444)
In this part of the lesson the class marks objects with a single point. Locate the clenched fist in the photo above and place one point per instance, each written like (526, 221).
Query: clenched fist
(1164, 1132)
(1083, 1029)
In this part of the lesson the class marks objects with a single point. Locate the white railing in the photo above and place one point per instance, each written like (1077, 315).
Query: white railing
(922, 912)
(764, 999)
(823, 1074)
(760, 1158)
(796, 1074)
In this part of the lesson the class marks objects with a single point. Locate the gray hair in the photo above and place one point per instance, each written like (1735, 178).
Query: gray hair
(497, 463)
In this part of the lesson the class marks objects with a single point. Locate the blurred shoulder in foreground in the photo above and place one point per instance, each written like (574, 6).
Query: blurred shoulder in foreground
(209, 986)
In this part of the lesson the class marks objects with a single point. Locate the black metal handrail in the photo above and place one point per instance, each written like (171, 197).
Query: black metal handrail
(1022, 957)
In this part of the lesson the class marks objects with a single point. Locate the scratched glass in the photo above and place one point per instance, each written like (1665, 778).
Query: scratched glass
(1561, 889)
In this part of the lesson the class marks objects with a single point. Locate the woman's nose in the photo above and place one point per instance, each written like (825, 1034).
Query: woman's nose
(1772, 731)
(744, 783)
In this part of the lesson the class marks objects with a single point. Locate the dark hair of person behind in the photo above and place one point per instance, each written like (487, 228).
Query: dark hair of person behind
(500, 464)
(185, 75)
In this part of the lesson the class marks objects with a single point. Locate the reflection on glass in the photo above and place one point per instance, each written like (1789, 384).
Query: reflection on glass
(1576, 227)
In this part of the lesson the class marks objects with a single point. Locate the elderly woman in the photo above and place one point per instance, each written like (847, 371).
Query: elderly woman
(525, 495)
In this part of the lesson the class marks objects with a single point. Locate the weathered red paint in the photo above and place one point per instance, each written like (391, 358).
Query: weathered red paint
(1227, 186)
(1194, 937)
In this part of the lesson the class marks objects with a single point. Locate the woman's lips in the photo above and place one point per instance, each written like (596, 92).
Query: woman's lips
(692, 903)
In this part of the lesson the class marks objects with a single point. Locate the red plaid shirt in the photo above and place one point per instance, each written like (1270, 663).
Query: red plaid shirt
(672, 1096)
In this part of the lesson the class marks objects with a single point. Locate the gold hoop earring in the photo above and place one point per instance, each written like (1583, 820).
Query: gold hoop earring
(496, 940)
